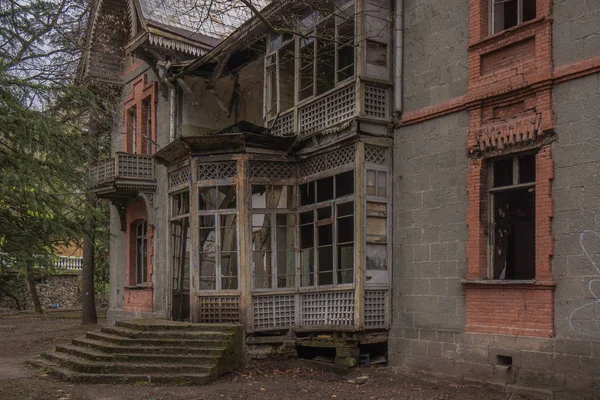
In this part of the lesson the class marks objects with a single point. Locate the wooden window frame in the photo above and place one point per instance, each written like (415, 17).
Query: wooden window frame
(141, 240)
(492, 14)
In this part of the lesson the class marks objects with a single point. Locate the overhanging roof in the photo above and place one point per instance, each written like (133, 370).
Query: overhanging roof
(238, 138)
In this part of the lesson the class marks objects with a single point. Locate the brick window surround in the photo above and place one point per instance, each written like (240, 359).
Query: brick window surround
(509, 307)
(137, 298)
(143, 99)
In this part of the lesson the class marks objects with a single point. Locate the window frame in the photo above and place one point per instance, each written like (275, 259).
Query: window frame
(333, 203)
(177, 219)
(491, 191)
(492, 14)
(272, 214)
(141, 266)
(217, 214)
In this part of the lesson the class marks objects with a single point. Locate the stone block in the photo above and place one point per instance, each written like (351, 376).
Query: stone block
(418, 347)
(434, 349)
(566, 346)
(536, 361)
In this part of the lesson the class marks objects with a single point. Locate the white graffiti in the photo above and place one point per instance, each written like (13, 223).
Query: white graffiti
(595, 297)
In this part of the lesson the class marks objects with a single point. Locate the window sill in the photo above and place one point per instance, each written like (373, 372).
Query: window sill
(507, 33)
(508, 283)
(139, 287)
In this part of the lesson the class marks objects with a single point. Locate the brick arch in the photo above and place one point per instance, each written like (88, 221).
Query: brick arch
(137, 298)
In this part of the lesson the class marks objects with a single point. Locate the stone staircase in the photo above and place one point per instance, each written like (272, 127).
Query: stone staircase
(148, 351)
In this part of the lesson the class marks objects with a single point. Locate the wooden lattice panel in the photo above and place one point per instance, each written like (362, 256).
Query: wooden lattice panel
(179, 178)
(327, 161)
(376, 101)
(218, 170)
(267, 169)
(219, 310)
(330, 110)
(376, 155)
(327, 309)
(283, 126)
(376, 309)
(278, 311)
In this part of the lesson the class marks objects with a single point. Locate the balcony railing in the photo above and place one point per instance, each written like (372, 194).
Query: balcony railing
(58, 262)
(123, 166)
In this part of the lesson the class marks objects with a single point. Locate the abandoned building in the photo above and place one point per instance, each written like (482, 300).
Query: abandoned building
(418, 174)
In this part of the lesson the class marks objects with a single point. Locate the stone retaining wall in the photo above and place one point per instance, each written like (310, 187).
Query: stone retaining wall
(62, 289)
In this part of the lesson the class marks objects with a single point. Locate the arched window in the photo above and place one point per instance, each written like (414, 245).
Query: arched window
(141, 253)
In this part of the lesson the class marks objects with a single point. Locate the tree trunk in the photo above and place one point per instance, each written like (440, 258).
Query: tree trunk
(33, 291)
(88, 304)
(12, 296)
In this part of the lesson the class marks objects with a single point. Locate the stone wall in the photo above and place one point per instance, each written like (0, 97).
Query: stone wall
(61, 289)
(576, 30)
(435, 51)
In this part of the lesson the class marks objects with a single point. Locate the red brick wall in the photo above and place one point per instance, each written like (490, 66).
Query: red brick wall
(508, 56)
(510, 310)
(142, 91)
(137, 299)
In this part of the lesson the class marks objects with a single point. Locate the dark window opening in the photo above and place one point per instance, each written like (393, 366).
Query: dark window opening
(504, 360)
(513, 218)
(509, 13)
(325, 189)
(141, 253)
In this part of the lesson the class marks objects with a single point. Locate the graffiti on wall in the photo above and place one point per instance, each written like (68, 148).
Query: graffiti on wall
(595, 299)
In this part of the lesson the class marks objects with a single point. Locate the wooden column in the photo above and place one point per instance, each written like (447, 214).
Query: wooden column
(359, 237)
(194, 261)
(245, 241)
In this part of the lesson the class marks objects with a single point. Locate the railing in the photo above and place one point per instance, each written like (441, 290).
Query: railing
(58, 262)
(124, 165)
(328, 110)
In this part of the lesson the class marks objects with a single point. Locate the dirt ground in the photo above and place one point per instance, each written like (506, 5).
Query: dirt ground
(25, 336)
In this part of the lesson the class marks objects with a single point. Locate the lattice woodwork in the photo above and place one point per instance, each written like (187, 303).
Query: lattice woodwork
(278, 311)
(327, 161)
(376, 101)
(267, 169)
(328, 111)
(376, 309)
(219, 310)
(283, 126)
(135, 166)
(327, 309)
(218, 170)
(179, 178)
(376, 155)
(102, 172)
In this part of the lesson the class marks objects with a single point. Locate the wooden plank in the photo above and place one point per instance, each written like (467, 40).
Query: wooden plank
(245, 239)
(194, 260)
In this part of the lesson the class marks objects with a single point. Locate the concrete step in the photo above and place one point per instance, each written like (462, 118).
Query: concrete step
(82, 365)
(169, 334)
(100, 356)
(68, 375)
(115, 349)
(123, 341)
(163, 325)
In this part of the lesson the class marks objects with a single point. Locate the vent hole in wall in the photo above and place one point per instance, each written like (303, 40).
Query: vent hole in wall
(504, 360)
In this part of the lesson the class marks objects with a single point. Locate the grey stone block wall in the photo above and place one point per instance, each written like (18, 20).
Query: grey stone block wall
(435, 51)
(60, 290)
(576, 30)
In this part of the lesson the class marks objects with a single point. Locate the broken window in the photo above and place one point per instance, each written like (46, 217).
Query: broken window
(512, 217)
(141, 253)
(180, 256)
(218, 255)
(377, 228)
(508, 13)
(327, 231)
(132, 128)
(147, 127)
(273, 237)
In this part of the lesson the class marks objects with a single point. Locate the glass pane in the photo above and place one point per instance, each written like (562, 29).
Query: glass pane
(259, 196)
(226, 197)
(325, 235)
(505, 14)
(229, 271)
(306, 217)
(345, 209)
(207, 198)
(228, 233)
(503, 172)
(285, 237)
(263, 269)
(346, 263)
(207, 271)
(527, 168)
(514, 234)
(345, 227)
(324, 213)
(371, 182)
(306, 68)
(377, 257)
(325, 265)
(181, 204)
(326, 56)
(376, 229)
(307, 193)
(286, 220)
(306, 236)
(529, 11)
(381, 184)
(345, 67)
(283, 197)
(344, 184)
(307, 267)
(325, 189)
(286, 261)
(287, 78)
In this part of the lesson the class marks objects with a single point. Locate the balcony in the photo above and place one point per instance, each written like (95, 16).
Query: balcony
(123, 176)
